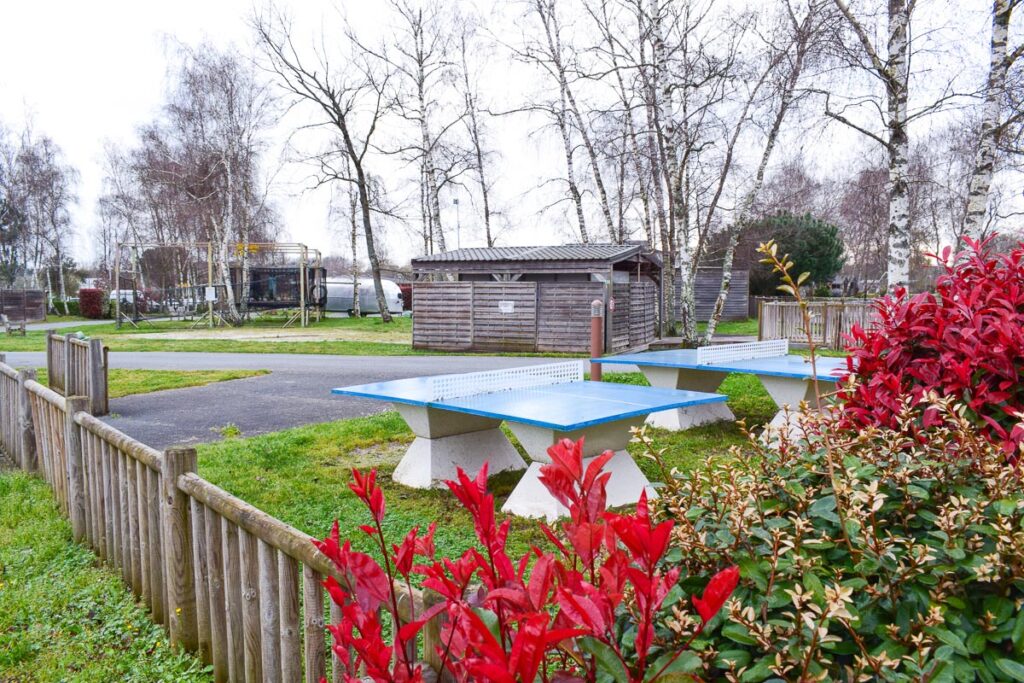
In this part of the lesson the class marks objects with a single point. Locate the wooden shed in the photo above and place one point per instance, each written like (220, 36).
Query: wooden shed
(535, 298)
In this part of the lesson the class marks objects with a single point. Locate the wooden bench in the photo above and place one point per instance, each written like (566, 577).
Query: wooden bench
(12, 328)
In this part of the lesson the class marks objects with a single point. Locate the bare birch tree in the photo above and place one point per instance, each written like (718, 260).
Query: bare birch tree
(350, 102)
(992, 124)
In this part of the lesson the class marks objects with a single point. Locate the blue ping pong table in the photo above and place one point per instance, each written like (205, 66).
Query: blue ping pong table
(787, 378)
(459, 426)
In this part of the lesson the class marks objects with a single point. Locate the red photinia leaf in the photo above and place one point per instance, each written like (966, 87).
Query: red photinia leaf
(718, 590)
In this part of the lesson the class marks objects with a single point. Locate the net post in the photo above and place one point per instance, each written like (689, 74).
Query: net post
(596, 337)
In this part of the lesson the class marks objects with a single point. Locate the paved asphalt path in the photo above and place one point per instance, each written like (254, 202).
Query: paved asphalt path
(297, 391)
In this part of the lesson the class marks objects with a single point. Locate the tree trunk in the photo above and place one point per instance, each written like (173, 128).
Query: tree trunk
(985, 160)
(723, 288)
(352, 204)
(371, 249)
(898, 273)
(570, 173)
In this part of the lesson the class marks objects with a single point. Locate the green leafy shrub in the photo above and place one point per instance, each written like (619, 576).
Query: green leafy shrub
(864, 555)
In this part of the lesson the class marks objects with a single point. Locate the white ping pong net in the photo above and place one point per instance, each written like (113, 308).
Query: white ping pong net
(492, 381)
(724, 353)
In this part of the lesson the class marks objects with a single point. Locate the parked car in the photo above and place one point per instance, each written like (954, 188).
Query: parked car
(339, 296)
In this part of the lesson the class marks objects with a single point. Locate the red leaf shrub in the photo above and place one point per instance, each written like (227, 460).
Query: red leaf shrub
(90, 303)
(965, 341)
(563, 616)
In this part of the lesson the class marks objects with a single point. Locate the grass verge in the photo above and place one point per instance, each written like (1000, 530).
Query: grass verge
(300, 475)
(62, 618)
(125, 382)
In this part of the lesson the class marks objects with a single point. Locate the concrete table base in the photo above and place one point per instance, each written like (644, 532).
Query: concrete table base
(788, 392)
(446, 441)
(531, 499)
(693, 380)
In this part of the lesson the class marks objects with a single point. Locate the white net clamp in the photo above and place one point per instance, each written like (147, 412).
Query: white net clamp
(724, 353)
(492, 381)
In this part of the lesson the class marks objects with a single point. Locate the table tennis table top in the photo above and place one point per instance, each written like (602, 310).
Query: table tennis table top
(562, 407)
(829, 369)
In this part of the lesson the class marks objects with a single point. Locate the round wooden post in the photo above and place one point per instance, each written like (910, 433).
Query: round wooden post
(25, 424)
(76, 473)
(596, 337)
(178, 561)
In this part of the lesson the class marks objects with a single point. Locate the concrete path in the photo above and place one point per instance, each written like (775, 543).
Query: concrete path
(297, 391)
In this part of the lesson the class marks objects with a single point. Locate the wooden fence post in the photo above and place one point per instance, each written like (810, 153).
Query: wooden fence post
(25, 425)
(68, 365)
(97, 374)
(75, 473)
(179, 575)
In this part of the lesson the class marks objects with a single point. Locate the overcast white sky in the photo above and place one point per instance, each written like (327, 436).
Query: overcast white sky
(91, 72)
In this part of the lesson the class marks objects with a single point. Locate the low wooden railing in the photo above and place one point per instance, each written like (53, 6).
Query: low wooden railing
(231, 583)
(830, 320)
(78, 367)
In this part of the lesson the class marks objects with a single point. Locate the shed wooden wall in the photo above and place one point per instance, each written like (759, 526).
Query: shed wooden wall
(707, 284)
(545, 316)
(23, 305)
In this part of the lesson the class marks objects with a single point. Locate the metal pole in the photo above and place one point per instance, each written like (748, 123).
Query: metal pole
(596, 337)
(209, 280)
(117, 286)
(302, 286)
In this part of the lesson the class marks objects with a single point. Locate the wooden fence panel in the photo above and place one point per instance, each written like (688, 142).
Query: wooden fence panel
(442, 316)
(830, 321)
(78, 367)
(23, 305)
(563, 315)
(643, 313)
(504, 316)
(10, 412)
(215, 570)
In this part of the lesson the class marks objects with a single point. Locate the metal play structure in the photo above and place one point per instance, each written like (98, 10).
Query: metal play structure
(263, 277)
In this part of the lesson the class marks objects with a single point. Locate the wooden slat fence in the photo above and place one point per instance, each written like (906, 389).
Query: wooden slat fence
(529, 316)
(229, 582)
(830, 320)
(78, 367)
(23, 305)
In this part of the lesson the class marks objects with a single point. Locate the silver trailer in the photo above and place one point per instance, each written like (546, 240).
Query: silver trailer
(339, 296)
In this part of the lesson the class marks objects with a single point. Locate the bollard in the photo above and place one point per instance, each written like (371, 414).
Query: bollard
(596, 337)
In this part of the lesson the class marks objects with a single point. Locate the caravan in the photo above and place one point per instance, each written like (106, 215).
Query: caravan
(339, 296)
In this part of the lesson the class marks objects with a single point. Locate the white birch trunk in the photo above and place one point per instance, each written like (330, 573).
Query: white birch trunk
(985, 159)
(898, 274)
(354, 234)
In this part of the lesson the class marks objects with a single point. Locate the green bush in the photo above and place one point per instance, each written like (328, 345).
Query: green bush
(864, 555)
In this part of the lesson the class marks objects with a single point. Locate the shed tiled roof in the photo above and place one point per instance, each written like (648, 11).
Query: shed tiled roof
(565, 252)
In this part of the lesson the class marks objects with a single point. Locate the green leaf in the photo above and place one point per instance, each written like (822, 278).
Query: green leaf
(738, 633)
(949, 638)
(1014, 670)
(824, 508)
(686, 663)
(607, 661)
(739, 658)
(917, 491)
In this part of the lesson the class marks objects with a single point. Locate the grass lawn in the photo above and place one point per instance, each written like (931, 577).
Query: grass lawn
(746, 327)
(124, 382)
(62, 618)
(300, 475)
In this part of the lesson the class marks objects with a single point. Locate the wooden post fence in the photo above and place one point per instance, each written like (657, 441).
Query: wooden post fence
(78, 367)
(229, 582)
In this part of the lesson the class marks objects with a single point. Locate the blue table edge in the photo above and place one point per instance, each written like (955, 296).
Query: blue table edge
(706, 398)
(632, 360)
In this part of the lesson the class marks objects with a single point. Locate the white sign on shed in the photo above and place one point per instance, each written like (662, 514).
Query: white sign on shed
(507, 306)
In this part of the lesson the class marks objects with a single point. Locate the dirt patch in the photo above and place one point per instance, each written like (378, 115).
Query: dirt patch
(378, 455)
(278, 335)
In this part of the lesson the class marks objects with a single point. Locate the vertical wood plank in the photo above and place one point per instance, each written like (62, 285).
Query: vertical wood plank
(270, 618)
(134, 537)
(313, 620)
(141, 486)
(202, 578)
(233, 600)
(158, 587)
(250, 569)
(337, 669)
(288, 593)
(177, 532)
(125, 511)
(115, 506)
(215, 593)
